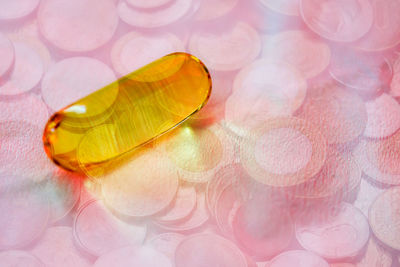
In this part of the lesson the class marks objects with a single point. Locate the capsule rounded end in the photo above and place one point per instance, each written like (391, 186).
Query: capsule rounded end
(51, 139)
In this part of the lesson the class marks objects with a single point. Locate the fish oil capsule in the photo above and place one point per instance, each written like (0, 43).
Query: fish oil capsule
(127, 113)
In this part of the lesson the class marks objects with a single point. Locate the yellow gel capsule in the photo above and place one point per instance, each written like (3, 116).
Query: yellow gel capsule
(127, 113)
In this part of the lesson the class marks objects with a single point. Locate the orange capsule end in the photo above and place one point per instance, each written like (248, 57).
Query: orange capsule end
(127, 113)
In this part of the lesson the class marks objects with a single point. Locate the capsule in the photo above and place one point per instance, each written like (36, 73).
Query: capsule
(127, 113)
